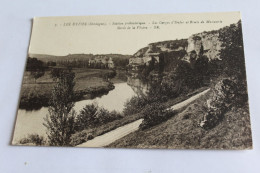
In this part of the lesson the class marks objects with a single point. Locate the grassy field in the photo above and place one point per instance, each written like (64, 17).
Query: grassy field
(88, 81)
(183, 132)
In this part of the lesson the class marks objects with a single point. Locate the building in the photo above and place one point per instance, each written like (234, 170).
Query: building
(101, 61)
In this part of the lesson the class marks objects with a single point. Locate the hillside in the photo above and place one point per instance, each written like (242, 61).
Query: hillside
(46, 58)
(218, 120)
(71, 57)
(183, 131)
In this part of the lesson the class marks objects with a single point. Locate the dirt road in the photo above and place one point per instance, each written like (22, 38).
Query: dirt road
(108, 138)
(188, 101)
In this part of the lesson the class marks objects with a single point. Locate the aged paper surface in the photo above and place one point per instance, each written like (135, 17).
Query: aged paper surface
(174, 81)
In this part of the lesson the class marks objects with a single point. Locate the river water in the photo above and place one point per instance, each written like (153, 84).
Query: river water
(31, 122)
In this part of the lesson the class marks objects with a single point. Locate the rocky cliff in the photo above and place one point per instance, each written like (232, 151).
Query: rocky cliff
(207, 44)
(164, 46)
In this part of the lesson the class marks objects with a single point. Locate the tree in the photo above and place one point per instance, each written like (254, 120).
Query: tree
(35, 67)
(232, 52)
(56, 73)
(37, 74)
(61, 119)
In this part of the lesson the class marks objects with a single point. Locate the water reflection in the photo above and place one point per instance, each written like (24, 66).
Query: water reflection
(114, 100)
(29, 122)
(139, 86)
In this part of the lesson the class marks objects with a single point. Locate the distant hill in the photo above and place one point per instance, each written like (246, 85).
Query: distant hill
(70, 57)
(119, 60)
(45, 58)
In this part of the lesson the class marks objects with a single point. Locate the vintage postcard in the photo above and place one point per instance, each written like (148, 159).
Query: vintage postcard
(174, 81)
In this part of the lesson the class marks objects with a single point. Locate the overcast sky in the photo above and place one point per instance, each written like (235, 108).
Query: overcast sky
(58, 35)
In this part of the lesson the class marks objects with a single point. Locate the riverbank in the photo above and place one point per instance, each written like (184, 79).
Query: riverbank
(88, 83)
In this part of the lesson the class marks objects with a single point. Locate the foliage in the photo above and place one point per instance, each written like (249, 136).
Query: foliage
(61, 119)
(233, 66)
(37, 74)
(81, 137)
(34, 100)
(35, 67)
(92, 116)
(56, 73)
(33, 139)
(226, 94)
(87, 82)
(154, 114)
(134, 105)
(232, 53)
(89, 133)
(33, 64)
(108, 75)
(121, 61)
(51, 63)
(182, 131)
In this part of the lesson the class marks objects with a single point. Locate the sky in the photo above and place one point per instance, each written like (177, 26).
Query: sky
(120, 34)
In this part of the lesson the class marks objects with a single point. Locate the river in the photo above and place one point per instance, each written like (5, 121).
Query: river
(31, 122)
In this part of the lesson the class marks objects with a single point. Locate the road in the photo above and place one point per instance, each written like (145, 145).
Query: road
(110, 137)
(188, 101)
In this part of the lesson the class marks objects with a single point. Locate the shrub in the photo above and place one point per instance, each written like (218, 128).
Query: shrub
(33, 139)
(86, 117)
(81, 137)
(154, 114)
(134, 105)
(227, 93)
(92, 116)
(33, 100)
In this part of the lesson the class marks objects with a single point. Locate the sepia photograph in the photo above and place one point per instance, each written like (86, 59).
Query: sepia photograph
(158, 81)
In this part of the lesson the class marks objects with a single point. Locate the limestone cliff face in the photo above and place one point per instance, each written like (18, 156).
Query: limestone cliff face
(139, 86)
(168, 51)
(208, 42)
(164, 46)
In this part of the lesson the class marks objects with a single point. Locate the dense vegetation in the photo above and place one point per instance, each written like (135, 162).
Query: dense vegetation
(220, 119)
(35, 67)
(93, 116)
(185, 78)
(33, 139)
(182, 131)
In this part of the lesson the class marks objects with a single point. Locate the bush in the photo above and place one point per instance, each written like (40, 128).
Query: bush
(81, 137)
(33, 100)
(88, 134)
(33, 139)
(134, 105)
(227, 93)
(154, 114)
(92, 116)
